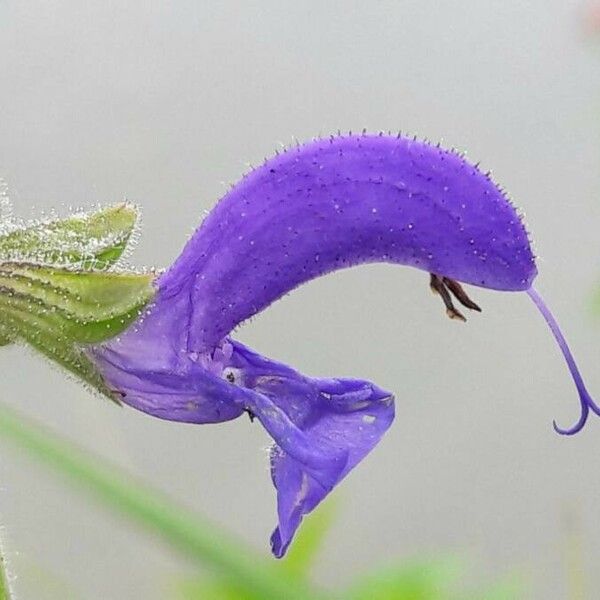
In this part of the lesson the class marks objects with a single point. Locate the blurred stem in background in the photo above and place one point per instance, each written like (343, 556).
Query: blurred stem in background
(197, 540)
(573, 555)
(5, 593)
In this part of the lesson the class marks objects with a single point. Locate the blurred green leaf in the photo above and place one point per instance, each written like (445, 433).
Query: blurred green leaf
(510, 588)
(211, 589)
(441, 579)
(42, 581)
(237, 572)
(5, 592)
(309, 539)
(427, 580)
(596, 301)
(86, 241)
(200, 541)
(295, 565)
(223, 588)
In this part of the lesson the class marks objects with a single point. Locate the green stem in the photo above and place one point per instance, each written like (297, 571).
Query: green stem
(184, 531)
(5, 593)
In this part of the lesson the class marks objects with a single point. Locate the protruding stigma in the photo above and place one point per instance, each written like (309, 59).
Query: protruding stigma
(444, 286)
(586, 401)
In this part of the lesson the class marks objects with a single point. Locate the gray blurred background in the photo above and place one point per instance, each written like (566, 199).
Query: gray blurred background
(165, 103)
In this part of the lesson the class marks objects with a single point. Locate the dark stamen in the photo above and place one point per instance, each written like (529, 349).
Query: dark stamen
(459, 293)
(437, 285)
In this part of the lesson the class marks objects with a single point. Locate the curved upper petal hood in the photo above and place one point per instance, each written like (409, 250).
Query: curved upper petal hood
(336, 203)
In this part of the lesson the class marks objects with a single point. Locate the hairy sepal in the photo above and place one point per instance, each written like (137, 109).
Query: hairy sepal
(57, 311)
(83, 241)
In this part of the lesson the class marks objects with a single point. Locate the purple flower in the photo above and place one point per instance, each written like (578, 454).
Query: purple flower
(323, 206)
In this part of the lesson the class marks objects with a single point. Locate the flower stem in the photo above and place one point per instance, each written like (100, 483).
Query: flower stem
(186, 532)
(5, 592)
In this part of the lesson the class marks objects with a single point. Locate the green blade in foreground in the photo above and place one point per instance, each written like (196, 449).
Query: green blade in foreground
(419, 580)
(195, 539)
(596, 301)
(5, 593)
(297, 563)
(303, 553)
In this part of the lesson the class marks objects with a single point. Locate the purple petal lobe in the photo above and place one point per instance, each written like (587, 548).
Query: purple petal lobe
(150, 373)
(337, 425)
(322, 429)
(336, 203)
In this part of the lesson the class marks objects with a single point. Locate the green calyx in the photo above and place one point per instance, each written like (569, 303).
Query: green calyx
(84, 240)
(59, 290)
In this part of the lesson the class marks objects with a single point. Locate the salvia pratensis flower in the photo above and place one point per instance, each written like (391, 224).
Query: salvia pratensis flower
(322, 206)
